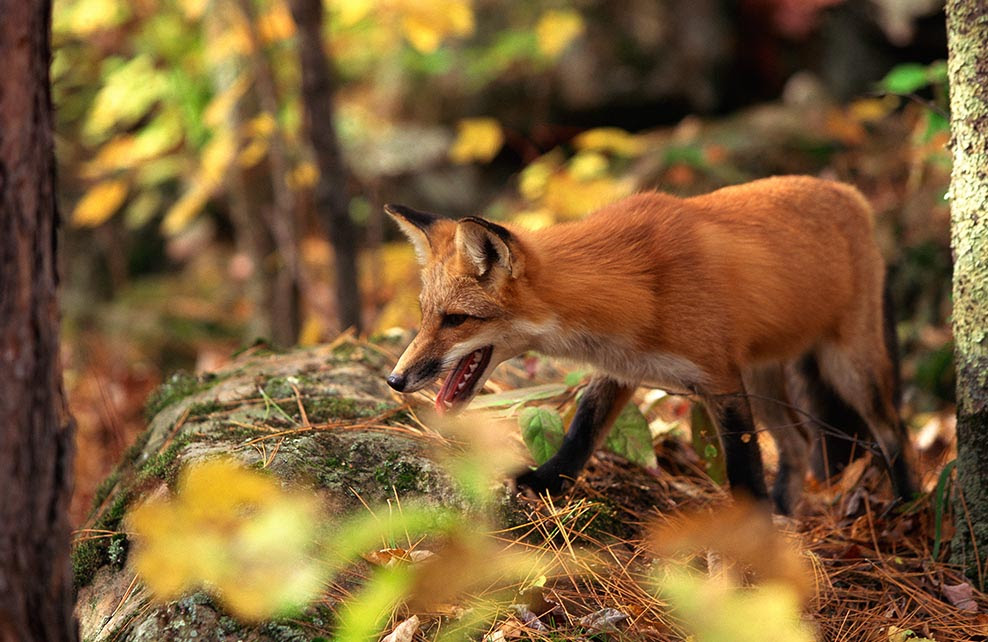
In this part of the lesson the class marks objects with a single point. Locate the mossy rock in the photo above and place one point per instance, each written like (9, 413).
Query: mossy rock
(326, 414)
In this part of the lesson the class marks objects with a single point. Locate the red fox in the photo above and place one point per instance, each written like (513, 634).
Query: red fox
(728, 296)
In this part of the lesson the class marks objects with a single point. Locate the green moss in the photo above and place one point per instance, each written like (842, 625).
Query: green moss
(179, 386)
(92, 554)
(326, 409)
(198, 410)
(104, 489)
(404, 476)
(163, 465)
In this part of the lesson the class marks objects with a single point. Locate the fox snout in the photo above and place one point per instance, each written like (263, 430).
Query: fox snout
(415, 376)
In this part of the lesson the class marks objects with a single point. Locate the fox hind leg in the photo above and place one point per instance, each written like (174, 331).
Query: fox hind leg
(732, 414)
(771, 406)
(869, 387)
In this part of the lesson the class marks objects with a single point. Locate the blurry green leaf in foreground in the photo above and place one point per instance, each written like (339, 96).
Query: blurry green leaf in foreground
(234, 532)
(542, 430)
(631, 438)
(714, 610)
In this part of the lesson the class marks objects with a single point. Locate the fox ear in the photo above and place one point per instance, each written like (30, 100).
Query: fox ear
(487, 246)
(416, 226)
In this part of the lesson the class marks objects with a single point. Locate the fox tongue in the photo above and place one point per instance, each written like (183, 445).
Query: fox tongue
(462, 379)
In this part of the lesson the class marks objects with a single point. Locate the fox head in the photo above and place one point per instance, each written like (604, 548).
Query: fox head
(474, 290)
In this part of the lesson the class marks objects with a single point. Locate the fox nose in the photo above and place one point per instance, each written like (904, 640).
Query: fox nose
(397, 381)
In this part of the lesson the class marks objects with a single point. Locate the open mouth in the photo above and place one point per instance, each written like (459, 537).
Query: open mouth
(459, 385)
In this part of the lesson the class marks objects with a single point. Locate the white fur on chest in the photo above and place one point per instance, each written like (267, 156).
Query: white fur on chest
(622, 362)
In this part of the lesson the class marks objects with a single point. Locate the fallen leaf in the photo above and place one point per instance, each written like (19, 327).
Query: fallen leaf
(961, 595)
(603, 620)
(404, 632)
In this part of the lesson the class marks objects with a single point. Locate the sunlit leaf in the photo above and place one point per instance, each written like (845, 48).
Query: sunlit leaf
(128, 92)
(610, 139)
(556, 29)
(305, 174)
(86, 17)
(588, 165)
(631, 438)
(713, 610)
(534, 219)
(100, 203)
(542, 431)
(234, 532)
(905, 78)
(426, 23)
(477, 139)
(276, 24)
(222, 104)
(185, 209)
(142, 209)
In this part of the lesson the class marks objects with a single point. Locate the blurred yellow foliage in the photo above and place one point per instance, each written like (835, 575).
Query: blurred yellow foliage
(85, 17)
(477, 139)
(100, 203)
(128, 93)
(713, 609)
(277, 24)
(534, 219)
(610, 139)
(556, 29)
(424, 23)
(588, 165)
(235, 532)
(570, 197)
(219, 108)
(305, 174)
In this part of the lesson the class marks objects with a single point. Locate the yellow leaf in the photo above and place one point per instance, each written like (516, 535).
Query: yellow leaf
(426, 24)
(305, 174)
(261, 125)
(534, 219)
(312, 331)
(234, 532)
(217, 156)
(100, 203)
(185, 209)
(609, 139)
(556, 29)
(477, 139)
(193, 9)
(587, 166)
(276, 24)
(253, 153)
(351, 12)
(219, 107)
(533, 179)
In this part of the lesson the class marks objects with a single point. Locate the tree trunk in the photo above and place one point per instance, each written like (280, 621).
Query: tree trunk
(36, 431)
(318, 87)
(967, 33)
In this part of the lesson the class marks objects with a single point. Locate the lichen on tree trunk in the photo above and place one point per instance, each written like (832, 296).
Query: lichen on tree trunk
(967, 31)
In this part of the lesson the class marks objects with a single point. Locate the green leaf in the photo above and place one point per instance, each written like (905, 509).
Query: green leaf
(631, 438)
(542, 431)
(519, 395)
(575, 377)
(940, 504)
(905, 79)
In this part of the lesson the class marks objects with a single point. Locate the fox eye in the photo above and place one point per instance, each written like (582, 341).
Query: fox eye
(453, 320)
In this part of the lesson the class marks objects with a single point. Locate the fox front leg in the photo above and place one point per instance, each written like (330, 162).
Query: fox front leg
(600, 405)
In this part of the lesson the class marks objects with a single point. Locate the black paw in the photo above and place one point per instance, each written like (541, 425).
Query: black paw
(541, 482)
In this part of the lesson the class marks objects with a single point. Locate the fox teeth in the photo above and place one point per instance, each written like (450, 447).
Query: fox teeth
(473, 367)
(461, 384)
(449, 404)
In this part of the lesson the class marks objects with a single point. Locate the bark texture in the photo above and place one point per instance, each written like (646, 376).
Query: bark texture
(318, 89)
(36, 432)
(967, 33)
